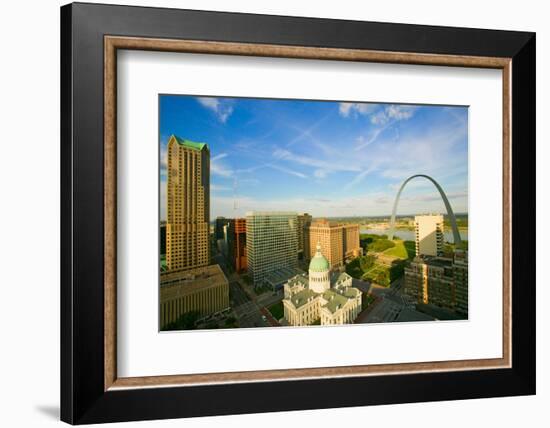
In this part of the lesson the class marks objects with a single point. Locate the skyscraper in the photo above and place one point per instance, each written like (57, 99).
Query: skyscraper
(304, 220)
(271, 243)
(330, 236)
(429, 234)
(460, 276)
(218, 228)
(236, 244)
(188, 204)
(352, 245)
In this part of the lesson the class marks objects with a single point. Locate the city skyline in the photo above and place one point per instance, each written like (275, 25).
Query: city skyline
(331, 159)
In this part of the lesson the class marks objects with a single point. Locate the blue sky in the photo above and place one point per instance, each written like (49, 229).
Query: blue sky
(326, 158)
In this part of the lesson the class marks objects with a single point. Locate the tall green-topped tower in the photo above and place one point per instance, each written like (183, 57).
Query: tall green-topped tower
(188, 204)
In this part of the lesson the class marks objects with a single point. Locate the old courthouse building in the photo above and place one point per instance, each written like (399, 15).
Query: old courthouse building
(321, 297)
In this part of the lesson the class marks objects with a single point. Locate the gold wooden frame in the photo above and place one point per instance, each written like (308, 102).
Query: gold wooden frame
(113, 43)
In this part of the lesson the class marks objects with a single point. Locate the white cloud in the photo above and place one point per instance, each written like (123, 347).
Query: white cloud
(400, 112)
(218, 157)
(347, 109)
(222, 109)
(220, 169)
(379, 118)
(392, 113)
(328, 165)
(360, 177)
(211, 103)
(368, 204)
(219, 188)
(363, 142)
(437, 197)
(287, 170)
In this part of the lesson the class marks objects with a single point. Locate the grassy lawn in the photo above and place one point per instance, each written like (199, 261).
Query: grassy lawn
(368, 269)
(398, 251)
(403, 249)
(277, 310)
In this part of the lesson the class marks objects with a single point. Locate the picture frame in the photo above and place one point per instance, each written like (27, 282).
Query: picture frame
(91, 391)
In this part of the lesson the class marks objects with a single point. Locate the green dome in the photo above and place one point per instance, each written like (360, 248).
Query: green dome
(319, 263)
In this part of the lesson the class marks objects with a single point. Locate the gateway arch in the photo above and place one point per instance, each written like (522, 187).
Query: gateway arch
(450, 214)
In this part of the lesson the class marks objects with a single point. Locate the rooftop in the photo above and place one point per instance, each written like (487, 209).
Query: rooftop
(302, 297)
(299, 279)
(334, 300)
(193, 278)
(338, 278)
(280, 276)
(434, 261)
(188, 143)
(270, 213)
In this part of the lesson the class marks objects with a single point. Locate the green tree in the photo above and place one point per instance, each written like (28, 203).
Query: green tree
(366, 262)
(381, 245)
(186, 321)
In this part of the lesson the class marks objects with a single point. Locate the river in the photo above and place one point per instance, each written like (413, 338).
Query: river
(408, 235)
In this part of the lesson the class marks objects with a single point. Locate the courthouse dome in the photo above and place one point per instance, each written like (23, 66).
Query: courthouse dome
(318, 262)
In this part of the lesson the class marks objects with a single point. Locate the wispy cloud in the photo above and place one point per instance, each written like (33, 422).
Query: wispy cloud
(307, 133)
(330, 159)
(287, 170)
(433, 197)
(369, 203)
(353, 109)
(360, 177)
(219, 188)
(218, 168)
(222, 109)
(218, 157)
(326, 165)
(372, 137)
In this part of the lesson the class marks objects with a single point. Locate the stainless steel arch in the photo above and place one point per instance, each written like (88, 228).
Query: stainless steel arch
(450, 213)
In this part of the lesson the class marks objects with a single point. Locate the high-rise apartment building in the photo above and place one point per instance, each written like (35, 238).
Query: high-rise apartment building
(330, 236)
(188, 204)
(304, 220)
(271, 243)
(429, 234)
(440, 281)
(460, 276)
(430, 280)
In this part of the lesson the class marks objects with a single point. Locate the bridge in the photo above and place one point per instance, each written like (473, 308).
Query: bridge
(450, 213)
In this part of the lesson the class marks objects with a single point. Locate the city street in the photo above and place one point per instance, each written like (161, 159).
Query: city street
(247, 311)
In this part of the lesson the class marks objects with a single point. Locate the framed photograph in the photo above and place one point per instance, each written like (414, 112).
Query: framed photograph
(276, 213)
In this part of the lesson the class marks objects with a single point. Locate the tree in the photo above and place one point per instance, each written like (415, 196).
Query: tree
(381, 245)
(186, 321)
(366, 262)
